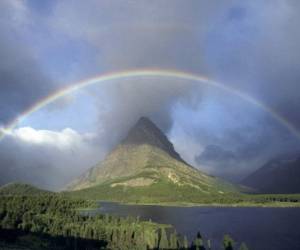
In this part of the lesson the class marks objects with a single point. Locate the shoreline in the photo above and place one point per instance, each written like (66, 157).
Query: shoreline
(217, 205)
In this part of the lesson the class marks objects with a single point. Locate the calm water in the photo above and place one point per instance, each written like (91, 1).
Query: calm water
(259, 228)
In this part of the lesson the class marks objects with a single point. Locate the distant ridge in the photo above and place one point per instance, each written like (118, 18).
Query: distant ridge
(280, 175)
(17, 188)
(146, 167)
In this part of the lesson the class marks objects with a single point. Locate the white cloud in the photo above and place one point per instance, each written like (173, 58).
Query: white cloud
(184, 144)
(62, 139)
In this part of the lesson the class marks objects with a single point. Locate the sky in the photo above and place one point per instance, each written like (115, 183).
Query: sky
(250, 46)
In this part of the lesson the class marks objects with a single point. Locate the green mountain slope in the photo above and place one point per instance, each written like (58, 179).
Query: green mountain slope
(16, 188)
(145, 167)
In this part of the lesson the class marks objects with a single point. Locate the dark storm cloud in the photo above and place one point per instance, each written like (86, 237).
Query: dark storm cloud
(255, 46)
(48, 159)
(129, 100)
(22, 81)
(216, 153)
(135, 34)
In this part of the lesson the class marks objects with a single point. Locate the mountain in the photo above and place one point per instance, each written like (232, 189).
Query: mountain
(280, 175)
(16, 188)
(146, 167)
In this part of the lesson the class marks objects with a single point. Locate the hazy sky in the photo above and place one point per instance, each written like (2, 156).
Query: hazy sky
(251, 46)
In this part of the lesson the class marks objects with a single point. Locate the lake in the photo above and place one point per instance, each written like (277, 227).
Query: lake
(259, 228)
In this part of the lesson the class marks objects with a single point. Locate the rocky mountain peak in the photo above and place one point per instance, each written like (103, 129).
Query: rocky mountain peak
(146, 132)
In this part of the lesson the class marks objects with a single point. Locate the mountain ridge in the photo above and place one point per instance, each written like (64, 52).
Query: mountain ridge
(18, 188)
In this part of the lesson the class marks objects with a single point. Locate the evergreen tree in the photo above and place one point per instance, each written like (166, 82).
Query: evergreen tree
(208, 244)
(198, 242)
(185, 243)
(243, 246)
(228, 242)
(163, 242)
(173, 241)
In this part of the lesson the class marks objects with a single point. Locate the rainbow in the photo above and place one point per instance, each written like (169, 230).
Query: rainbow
(163, 73)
